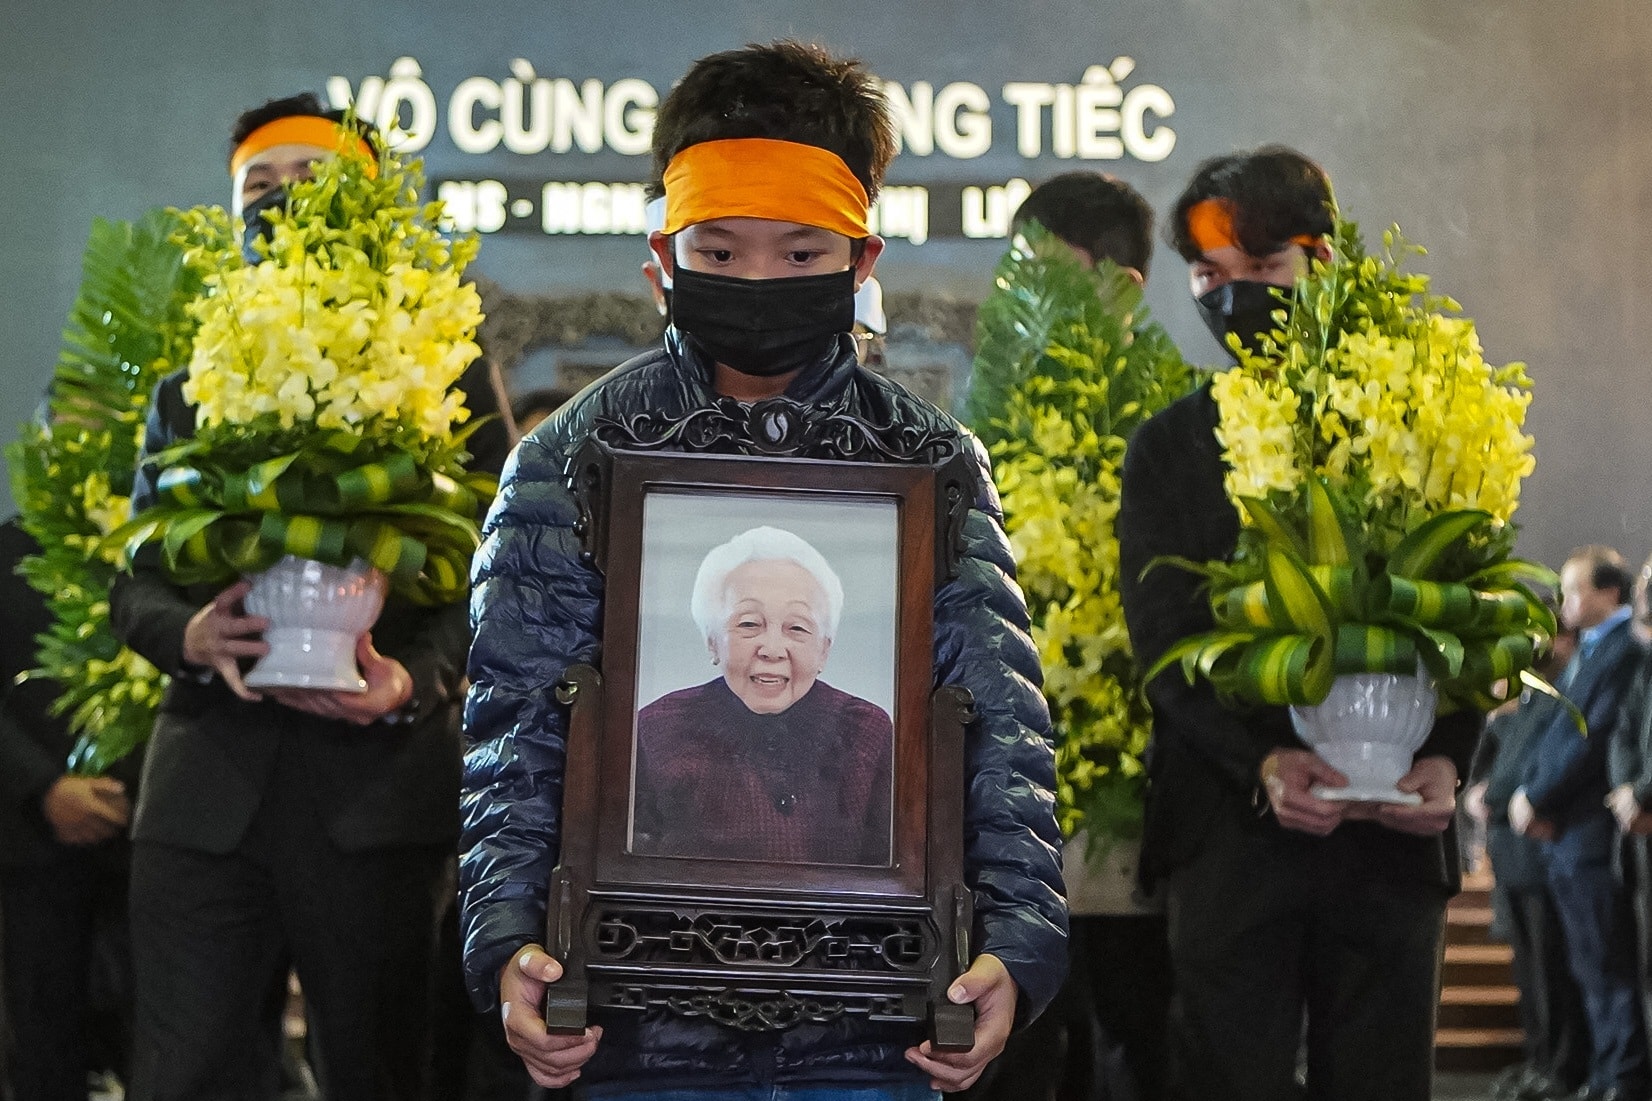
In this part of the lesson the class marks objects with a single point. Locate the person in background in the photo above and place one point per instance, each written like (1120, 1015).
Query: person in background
(871, 326)
(659, 282)
(1563, 802)
(534, 406)
(301, 829)
(1629, 768)
(1098, 216)
(276, 144)
(64, 863)
(1103, 1036)
(1556, 1030)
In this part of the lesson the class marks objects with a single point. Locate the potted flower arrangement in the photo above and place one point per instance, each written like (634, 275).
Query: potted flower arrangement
(1067, 365)
(1375, 458)
(327, 459)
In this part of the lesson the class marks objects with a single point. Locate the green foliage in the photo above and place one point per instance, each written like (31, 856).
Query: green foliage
(1067, 366)
(127, 329)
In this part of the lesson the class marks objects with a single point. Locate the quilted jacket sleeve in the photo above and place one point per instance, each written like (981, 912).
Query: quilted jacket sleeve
(535, 611)
(1011, 844)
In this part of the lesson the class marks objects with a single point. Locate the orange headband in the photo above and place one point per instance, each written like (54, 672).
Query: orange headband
(1210, 226)
(302, 130)
(783, 181)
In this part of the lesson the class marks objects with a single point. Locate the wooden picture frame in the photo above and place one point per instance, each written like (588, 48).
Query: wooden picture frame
(707, 868)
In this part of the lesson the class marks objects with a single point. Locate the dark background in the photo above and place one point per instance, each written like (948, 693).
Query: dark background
(1509, 137)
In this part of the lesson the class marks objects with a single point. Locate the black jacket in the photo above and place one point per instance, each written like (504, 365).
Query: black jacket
(1629, 757)
(1566, 778)
(212, 753)
(1205, 755)
(537, 611)
(1508, 744)
(34, 743)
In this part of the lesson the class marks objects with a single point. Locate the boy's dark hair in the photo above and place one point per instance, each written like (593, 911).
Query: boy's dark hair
(1276, 192)
(789, 91)
(1607, 569)
(304, 103)
(1098, 213)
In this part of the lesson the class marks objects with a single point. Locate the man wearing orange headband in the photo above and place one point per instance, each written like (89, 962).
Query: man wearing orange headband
(768, 158)
(1281, 905)
(1240, 253)
(311, 830)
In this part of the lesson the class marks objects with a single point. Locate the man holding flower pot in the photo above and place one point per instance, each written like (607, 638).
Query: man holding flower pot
(1283, 905)
(291, 828)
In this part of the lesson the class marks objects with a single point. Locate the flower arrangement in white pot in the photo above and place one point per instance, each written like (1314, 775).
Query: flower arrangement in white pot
(328, 454)
(1375, 458)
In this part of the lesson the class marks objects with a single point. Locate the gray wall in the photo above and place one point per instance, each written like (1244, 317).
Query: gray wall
(1502, 134)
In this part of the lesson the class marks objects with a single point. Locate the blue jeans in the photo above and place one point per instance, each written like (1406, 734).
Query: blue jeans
(914, 1092)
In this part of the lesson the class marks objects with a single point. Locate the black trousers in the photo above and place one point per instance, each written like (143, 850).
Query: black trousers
(1102, 1037)
(1268, 928)
(1551, 1008)
(1638, 860)
(67, 971)
(214, 936)
(472, 1060)
(1599, 926)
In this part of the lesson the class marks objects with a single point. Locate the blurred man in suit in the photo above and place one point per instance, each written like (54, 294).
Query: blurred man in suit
(1562, 801)
(1556, 1043)
(1629, 767)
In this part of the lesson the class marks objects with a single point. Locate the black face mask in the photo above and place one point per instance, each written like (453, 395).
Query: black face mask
(1241, 307)
(255, 227)
(763, 327)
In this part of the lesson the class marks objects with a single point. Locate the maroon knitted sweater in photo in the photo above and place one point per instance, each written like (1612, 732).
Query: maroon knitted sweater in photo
(810, 784)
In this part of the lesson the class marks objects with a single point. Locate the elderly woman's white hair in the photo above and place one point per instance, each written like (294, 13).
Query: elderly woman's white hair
(761, 544)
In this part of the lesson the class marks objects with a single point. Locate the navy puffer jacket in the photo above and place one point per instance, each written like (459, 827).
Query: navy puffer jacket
(537, 610)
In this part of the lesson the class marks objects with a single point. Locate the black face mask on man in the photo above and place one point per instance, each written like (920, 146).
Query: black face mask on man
(763, 327)
(255, 227)
(1244, 308)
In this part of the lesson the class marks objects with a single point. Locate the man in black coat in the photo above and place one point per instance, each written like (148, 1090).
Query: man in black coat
(303, 829)
(1280, 904)
(63, 865)
(1562, 801)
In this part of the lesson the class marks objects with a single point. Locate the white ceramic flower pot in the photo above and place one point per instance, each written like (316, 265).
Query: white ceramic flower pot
(316, 614)
(1369, 728)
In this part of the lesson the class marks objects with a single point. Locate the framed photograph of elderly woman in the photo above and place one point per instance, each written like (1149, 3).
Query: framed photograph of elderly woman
(766, 644)
(766, 677)
(762, 813)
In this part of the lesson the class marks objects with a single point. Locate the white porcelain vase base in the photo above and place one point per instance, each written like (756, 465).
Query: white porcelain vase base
(317, 613)
(1369, 728)
(303, 657)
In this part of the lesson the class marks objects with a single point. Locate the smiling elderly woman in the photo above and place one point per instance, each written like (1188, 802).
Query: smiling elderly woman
(767, 761)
